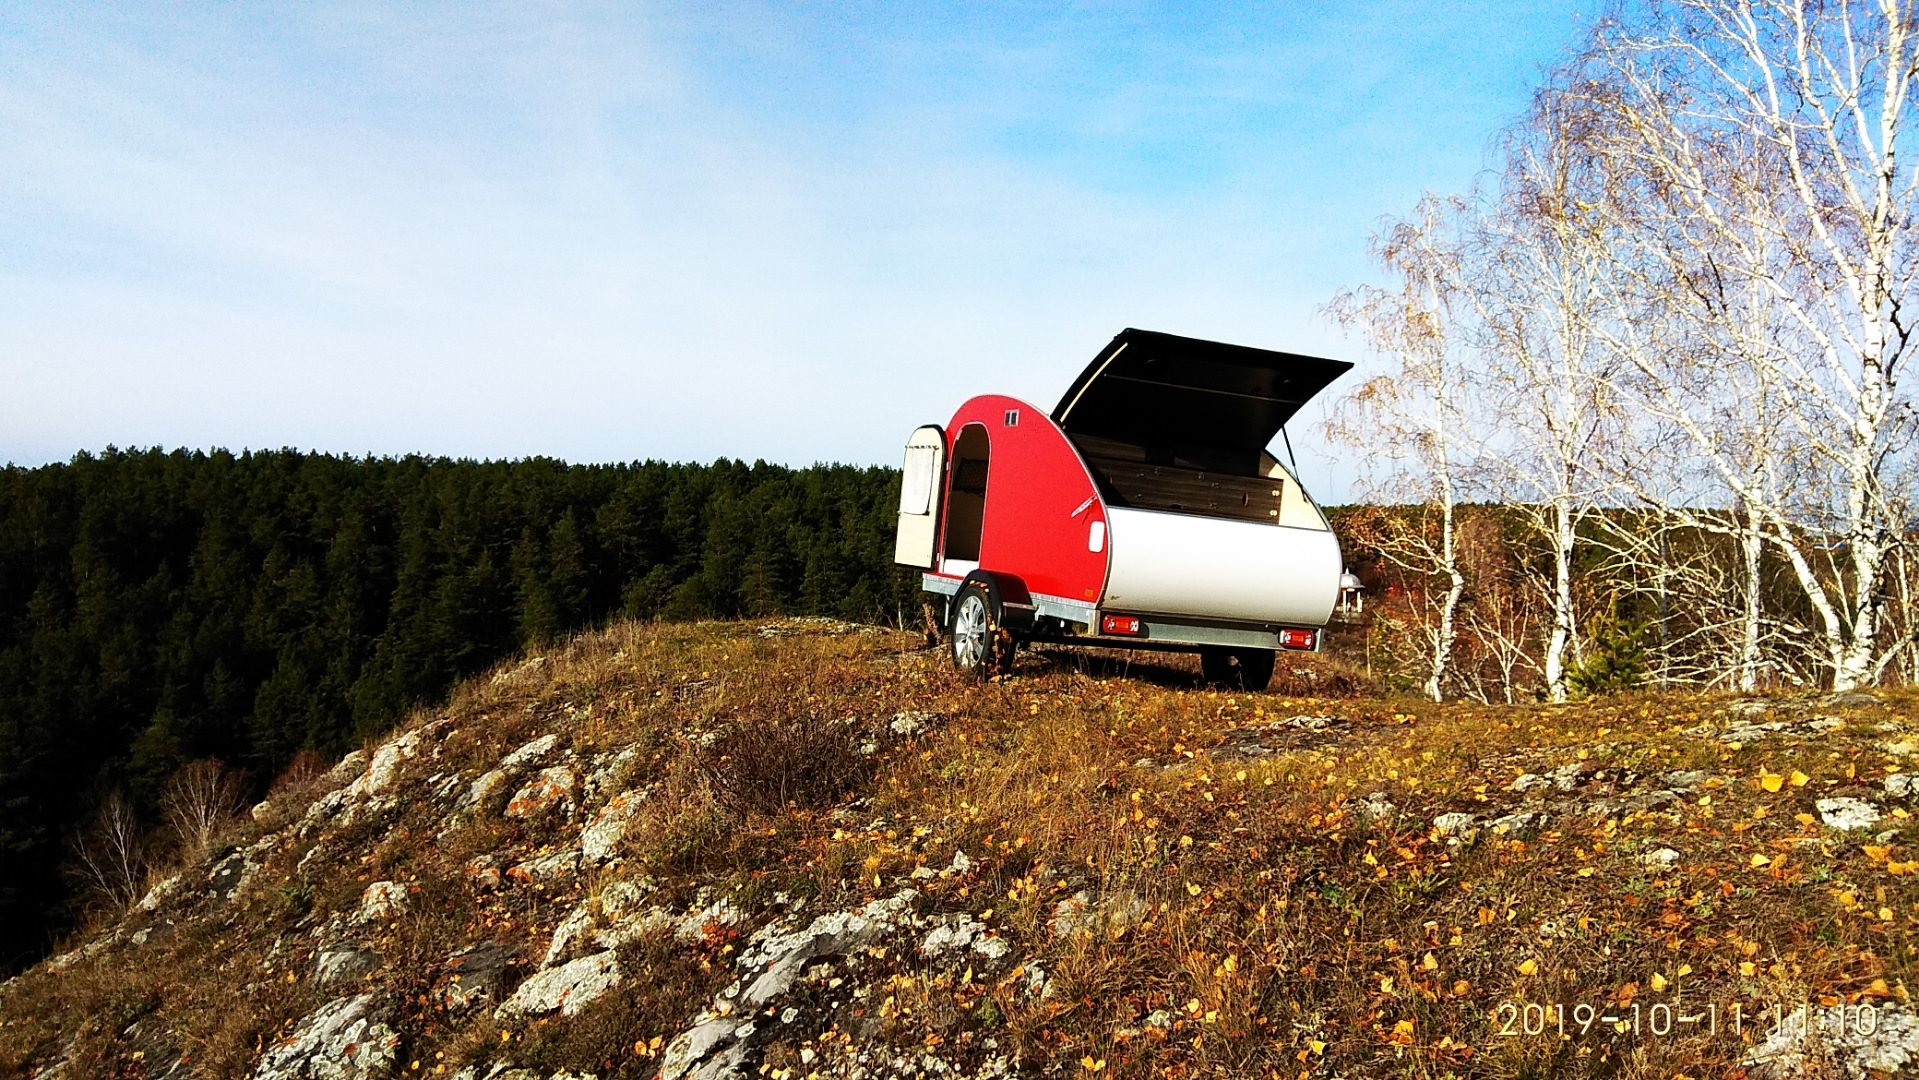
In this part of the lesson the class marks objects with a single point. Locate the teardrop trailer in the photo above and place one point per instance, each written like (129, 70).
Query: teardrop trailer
(1145, 512)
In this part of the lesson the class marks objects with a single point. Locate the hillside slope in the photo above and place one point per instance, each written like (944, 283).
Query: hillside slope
(807, 848)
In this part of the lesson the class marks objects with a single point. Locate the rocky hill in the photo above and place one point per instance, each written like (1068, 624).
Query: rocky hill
(808, 849)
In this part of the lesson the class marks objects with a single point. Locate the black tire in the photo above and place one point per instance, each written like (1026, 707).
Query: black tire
(978, 640)
(1236, 669)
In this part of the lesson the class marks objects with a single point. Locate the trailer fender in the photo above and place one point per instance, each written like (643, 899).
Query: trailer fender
(1012, 603)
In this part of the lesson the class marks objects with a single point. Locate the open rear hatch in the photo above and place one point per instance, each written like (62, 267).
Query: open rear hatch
(1175, 423)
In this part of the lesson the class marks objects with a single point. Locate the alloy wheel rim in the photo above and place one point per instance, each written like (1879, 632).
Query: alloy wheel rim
(969, 632)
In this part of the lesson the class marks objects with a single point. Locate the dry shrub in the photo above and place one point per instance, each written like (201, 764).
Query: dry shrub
(306, 767)
(110, 860)
(679, 823)
(199, 801)
(795, 757)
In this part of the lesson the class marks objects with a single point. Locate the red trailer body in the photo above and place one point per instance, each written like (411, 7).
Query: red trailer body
(1144, 511)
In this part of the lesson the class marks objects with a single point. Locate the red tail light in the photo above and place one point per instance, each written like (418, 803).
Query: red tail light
(1122, 625)
(1290, 638)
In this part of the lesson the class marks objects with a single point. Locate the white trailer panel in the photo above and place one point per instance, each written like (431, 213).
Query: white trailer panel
(1213, 568)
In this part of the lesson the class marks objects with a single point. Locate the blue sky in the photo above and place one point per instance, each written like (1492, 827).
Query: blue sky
(608, 232)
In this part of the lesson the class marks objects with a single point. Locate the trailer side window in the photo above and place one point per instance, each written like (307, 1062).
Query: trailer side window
(918, 481)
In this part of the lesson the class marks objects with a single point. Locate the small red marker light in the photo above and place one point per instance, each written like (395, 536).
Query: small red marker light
(1290, 638)
(1122, 625)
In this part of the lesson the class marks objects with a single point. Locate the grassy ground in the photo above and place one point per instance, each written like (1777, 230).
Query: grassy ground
(1289, 907)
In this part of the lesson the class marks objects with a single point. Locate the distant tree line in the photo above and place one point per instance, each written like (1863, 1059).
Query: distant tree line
(161, 609)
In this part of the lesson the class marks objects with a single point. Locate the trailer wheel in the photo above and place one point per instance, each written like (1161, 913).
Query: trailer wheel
(1237, 669)
(981, 643)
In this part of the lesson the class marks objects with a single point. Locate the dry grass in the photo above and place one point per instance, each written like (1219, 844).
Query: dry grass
(1284, 931)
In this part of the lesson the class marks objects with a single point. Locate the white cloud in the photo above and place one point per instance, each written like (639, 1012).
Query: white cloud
(603, 236)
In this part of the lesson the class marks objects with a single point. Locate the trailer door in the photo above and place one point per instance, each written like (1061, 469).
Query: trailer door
(920, 477)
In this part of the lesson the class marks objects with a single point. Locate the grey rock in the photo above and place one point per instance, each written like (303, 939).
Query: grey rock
(550, 789)
(550, 867)
(382, 900)
(962, 933)
(602, 836)
(1518, 823)
(909, 724)
(159, 893)
(1455, 824)
(476, 974)
(1815, 1041)
(347, 767)
(384, 769)
(345, 1039)
(1110, 916)
(717, 1044)
(568, 988)
(346, 963)
(613, 771)
(1376, 807)
(575, 928)
(231, 874)
(692, 926)
(622, 897)
(531, 754)
(1684, 780)
(1847, 813)
(1902, 785)
(1660, 858)
(489, 784)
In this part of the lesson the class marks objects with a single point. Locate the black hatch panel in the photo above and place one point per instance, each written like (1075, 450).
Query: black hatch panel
(1203, 400)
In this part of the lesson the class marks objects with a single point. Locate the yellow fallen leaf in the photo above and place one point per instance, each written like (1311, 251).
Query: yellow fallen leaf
(1316, 1046)
(1800, 779)
(1529, 967)
(1760, 861)
(1462, 988)
(1428, 963)
(1192, 888)
(1885, 914)
(1404, 1027)
(1747, 968)
(1685, 970)
(1771, 781)
(1386, 985)
(1803, 819)
(1658, 982)
(1876, 854)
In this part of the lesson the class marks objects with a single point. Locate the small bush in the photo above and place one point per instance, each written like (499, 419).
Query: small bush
(1615, 662)
(800, 758)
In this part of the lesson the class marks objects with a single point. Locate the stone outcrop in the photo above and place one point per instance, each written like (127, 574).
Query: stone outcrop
(565, 989)
(345, 1039)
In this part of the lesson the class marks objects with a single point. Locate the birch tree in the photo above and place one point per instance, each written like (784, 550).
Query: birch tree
(1410, 418)
(1764, 138)
(1531, 277)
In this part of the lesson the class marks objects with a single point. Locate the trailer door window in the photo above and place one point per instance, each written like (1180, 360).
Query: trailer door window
(920, 476)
